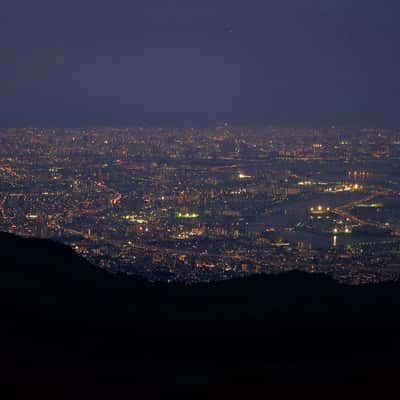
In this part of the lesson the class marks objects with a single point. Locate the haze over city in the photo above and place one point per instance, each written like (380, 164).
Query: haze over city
(184, 62)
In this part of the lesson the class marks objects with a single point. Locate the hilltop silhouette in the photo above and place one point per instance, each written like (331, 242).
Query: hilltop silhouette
(66, 323)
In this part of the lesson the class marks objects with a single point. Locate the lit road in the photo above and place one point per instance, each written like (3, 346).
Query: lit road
(342, 211)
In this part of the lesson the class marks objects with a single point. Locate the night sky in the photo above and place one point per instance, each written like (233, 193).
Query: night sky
(178, 62)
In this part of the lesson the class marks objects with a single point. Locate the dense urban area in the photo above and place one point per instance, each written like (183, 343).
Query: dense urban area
(208, 204)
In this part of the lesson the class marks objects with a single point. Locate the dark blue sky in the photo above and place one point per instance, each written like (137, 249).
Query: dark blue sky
(183, 62)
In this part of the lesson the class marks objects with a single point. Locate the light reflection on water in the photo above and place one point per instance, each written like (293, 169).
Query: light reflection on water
(285, 218)
(325, 242)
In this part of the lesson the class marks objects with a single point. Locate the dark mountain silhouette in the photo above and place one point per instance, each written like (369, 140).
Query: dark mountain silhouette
(67, 324)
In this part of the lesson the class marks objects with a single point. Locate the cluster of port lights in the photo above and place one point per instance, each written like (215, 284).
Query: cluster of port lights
(345, 230)
(319, 210)
(345, 188)
(186, 215)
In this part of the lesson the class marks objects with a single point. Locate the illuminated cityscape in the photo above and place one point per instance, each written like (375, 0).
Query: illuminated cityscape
(208, 204)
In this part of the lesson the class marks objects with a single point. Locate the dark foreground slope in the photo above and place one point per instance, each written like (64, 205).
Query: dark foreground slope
(66, 323)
